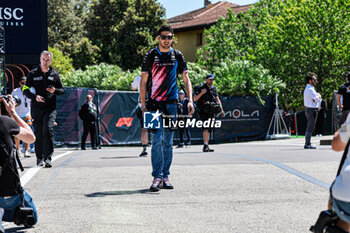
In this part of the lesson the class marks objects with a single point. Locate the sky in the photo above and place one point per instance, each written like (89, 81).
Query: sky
(178, 7)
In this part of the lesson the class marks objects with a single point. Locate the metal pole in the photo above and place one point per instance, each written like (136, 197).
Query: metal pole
(2, 60)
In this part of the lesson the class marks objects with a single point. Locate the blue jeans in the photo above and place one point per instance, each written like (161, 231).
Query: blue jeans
(10, 204)
(162, 146)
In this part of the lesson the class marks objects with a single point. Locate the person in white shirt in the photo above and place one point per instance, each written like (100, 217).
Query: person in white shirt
(312, 101)
(23, 111)
(135, 85)
(340, 189)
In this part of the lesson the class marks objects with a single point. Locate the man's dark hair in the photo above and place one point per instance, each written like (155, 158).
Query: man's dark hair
(347, 76)
(309, 77)
(165, 28)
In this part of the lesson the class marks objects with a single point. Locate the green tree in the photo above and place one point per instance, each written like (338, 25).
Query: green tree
(243, 78)
(66, 22)
(289, 38)
(124, 30)
(61, 63)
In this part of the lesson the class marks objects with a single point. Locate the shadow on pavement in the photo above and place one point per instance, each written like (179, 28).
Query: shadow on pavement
(117, 193)
(121, 157)
(21, 229)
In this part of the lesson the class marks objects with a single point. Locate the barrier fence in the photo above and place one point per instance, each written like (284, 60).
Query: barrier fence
(245, 118)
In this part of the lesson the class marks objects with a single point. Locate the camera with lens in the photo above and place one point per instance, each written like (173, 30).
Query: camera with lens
(325, 222)
(211, 107)
(7, 98)
(24, 216)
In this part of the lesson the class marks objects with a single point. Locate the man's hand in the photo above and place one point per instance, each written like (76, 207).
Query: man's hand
(39, 98)
(143, 109)
(190, 108)
(203, 91)
(222, 113)
(51, 89)
(10, 105)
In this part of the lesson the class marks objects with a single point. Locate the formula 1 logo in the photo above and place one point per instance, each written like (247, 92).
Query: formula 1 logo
(127, 121)
(152, 120)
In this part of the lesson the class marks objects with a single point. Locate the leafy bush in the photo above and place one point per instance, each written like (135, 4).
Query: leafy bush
(196, 74)
(243, 78)
(102, 77)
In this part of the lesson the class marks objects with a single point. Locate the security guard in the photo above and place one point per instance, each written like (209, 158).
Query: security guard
(42, 86)
(88, 113)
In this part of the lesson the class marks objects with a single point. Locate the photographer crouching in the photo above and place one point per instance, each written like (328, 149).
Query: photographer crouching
(209, 105)
(15, 203)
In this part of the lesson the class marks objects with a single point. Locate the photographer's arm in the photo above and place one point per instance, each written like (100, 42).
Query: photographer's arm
(25, 134)
(197, 97)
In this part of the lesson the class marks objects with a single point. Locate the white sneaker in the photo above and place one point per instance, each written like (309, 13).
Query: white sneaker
(26, 154)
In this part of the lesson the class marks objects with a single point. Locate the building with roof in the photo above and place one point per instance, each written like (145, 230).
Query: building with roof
(189, 27)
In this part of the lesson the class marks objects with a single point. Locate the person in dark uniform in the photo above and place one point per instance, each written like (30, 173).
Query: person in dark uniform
(42, 85)
(344, 91)
(88, 113)
(206, 95)
(183, 115)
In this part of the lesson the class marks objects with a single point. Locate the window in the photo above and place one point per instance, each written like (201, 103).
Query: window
(199, 39)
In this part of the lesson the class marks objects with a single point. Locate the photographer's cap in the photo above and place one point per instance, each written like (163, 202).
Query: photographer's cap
(210, 76)
(181, 92)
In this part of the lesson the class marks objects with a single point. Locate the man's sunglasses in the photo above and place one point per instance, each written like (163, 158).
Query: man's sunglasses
(22, 83)
(163, 37)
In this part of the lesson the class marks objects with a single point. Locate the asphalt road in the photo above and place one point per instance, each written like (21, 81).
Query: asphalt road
(264, 186)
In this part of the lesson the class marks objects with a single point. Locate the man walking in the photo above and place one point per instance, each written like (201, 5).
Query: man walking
(161, 66)
(344, 91)
(312, 101)
(42, 86)
(88, 113)
(207, 99)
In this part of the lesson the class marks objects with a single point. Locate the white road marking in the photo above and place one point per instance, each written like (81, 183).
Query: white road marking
(32, 171)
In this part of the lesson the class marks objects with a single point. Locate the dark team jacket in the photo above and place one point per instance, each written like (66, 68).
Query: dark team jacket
(88, 113)
(163, 69)
(344, 90)
(210, 95)
(40, 81)
(9, 179)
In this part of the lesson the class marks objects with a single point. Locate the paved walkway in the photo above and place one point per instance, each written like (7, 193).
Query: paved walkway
(263, 186)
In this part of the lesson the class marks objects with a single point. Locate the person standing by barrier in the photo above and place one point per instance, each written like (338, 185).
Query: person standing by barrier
(45, 84)
(161, 66)
(344, 91)
(23, 111)
(312, 101)
(135, 85)
(209, 104)
(183, 112)
(88, 113)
